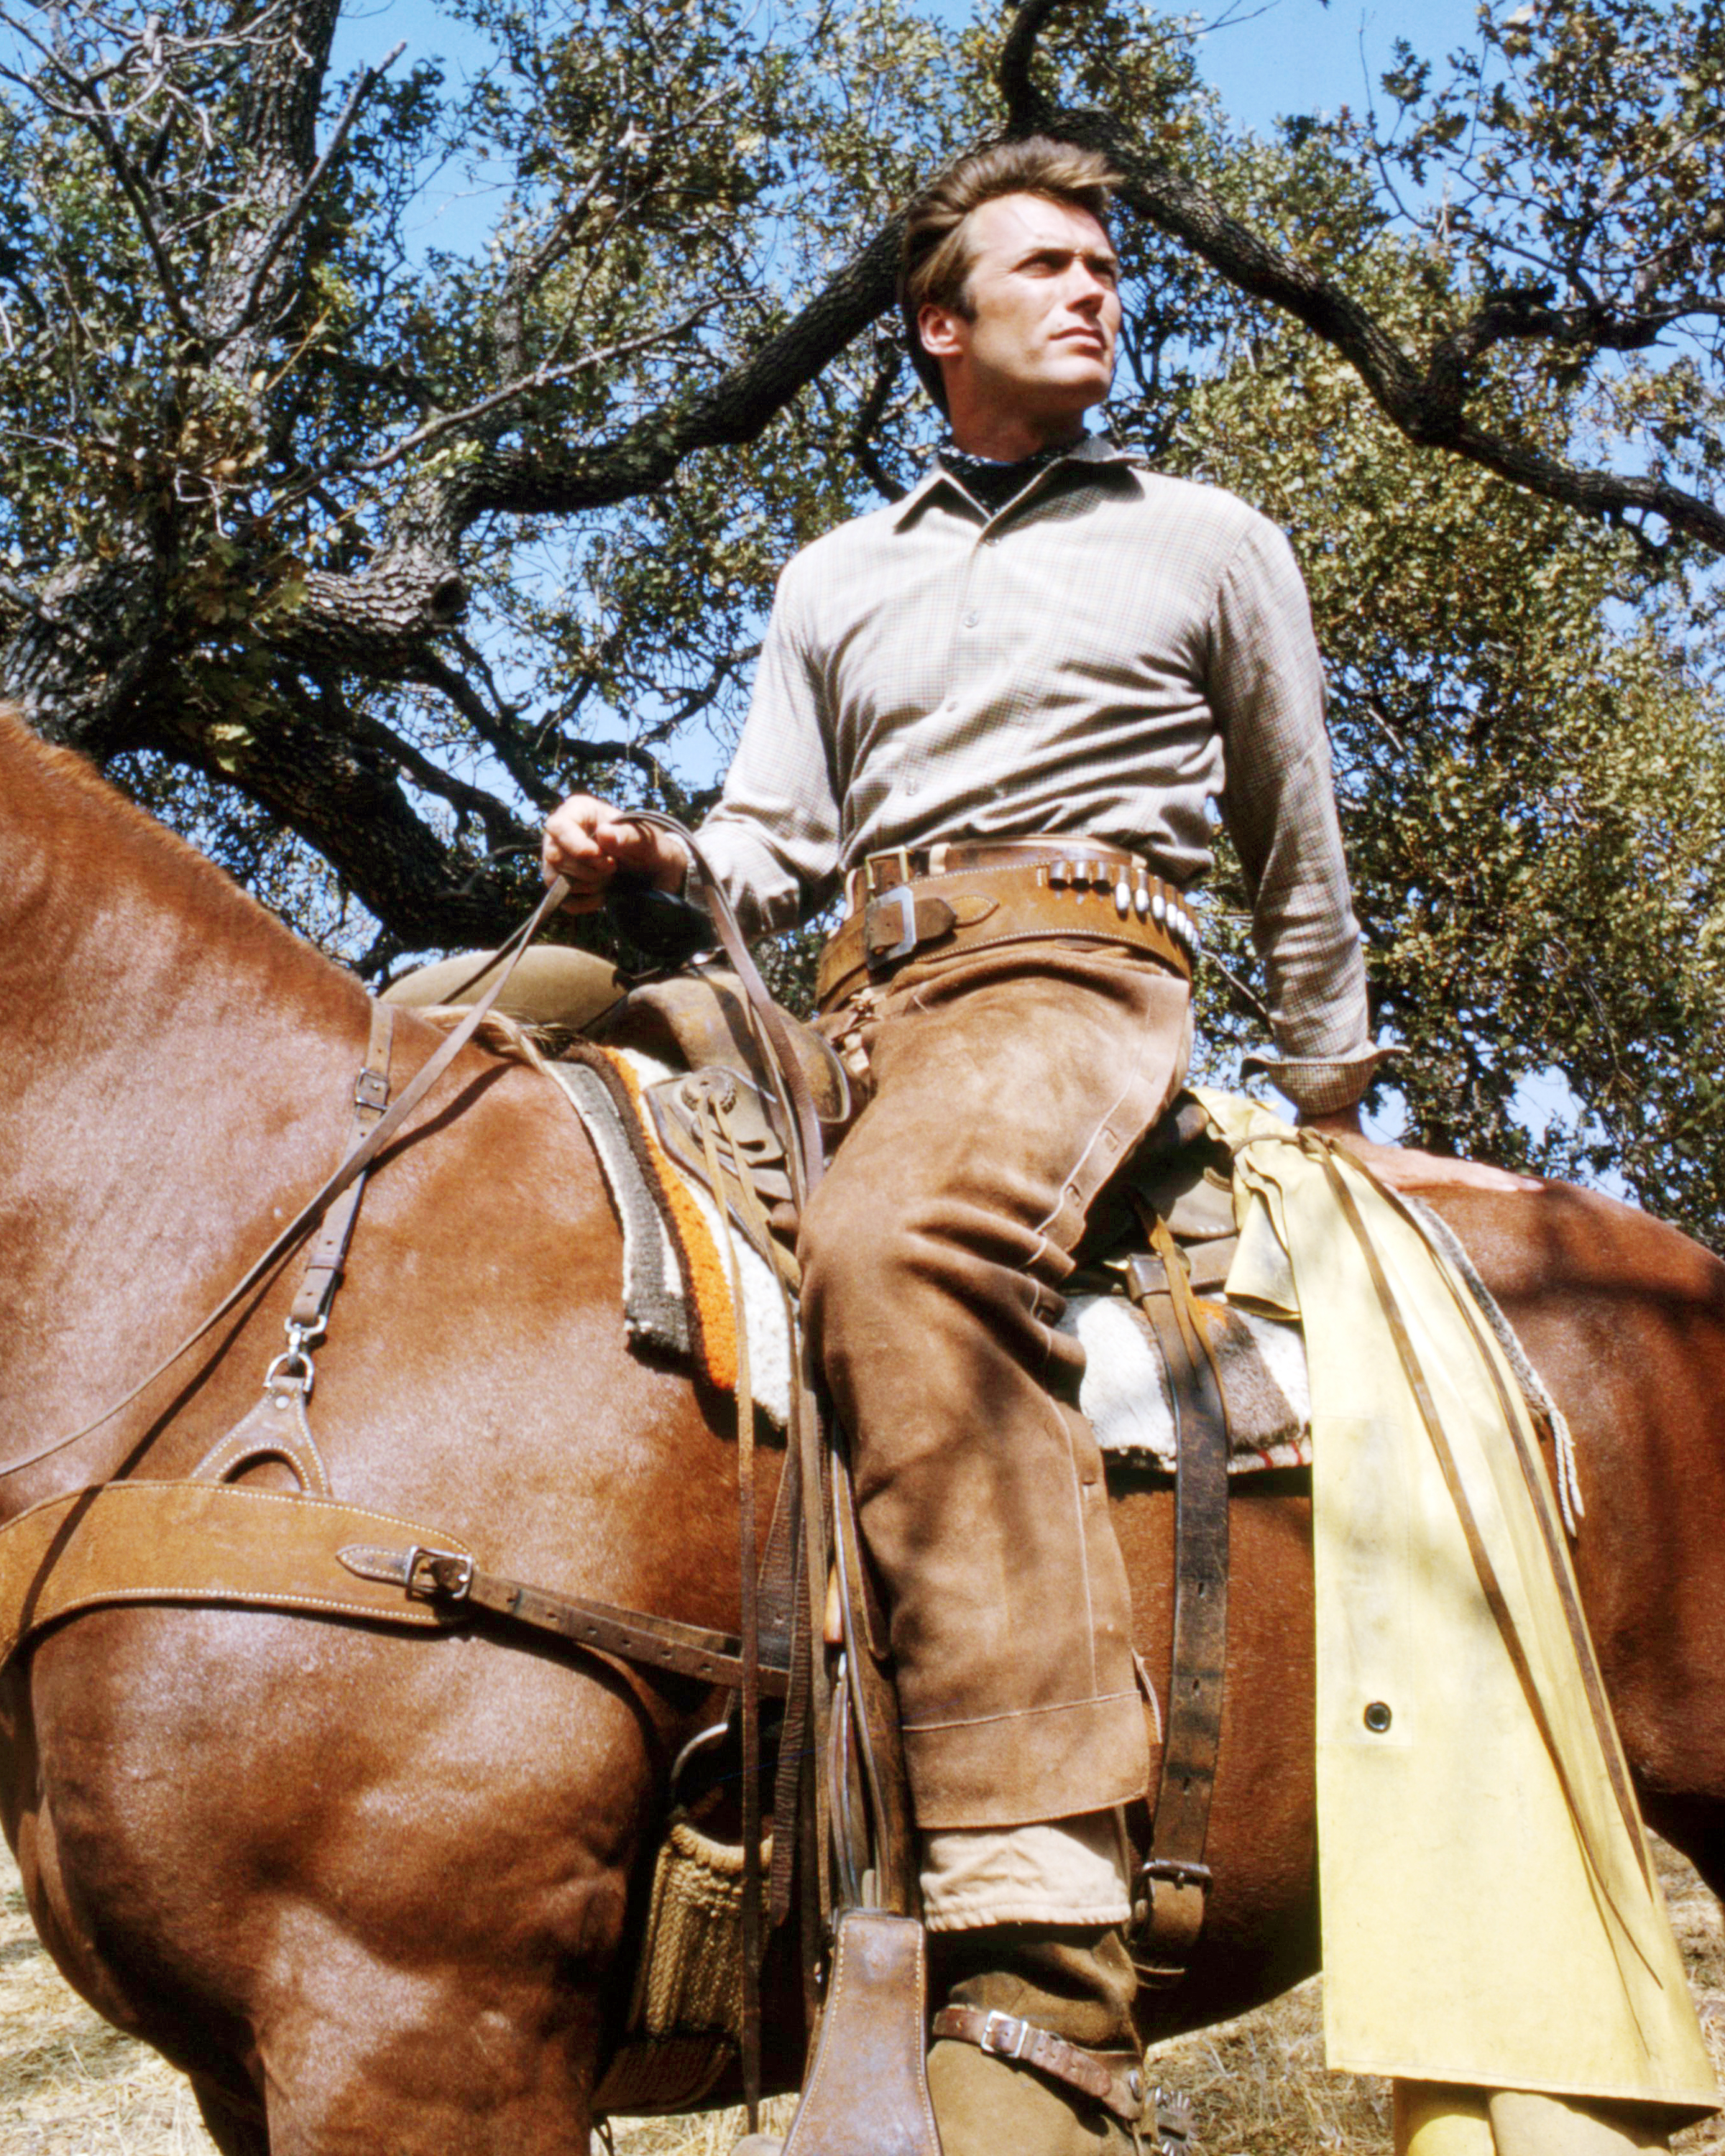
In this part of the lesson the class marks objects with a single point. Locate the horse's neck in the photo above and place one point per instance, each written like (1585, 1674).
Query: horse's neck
(129, 964)
(175, 1069)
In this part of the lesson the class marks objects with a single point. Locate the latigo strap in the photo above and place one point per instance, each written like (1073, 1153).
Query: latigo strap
(450, 1582)
(1172, 1883)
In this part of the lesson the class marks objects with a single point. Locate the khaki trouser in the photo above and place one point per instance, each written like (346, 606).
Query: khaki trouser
(1006, 1086)
(1433, 2120)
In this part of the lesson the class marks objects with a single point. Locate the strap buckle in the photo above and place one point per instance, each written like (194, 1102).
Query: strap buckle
(899, 900)
(437, 1575)
(1010, 2040)
(1176, 1870)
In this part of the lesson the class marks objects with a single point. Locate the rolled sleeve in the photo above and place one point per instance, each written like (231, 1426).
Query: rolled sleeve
(1267, 689)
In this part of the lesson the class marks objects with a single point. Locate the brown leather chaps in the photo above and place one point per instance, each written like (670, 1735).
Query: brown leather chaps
(1005, 1085)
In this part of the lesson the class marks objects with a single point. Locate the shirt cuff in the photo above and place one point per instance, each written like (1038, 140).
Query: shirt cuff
(1320, 1084)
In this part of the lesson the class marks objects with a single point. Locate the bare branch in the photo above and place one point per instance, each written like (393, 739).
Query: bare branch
(91, 113)
(860, 442)
(1012, 72)
(541, 378)
(735, 409)
(491, 726)
(581, 753)
(504, 832)
(295, 210)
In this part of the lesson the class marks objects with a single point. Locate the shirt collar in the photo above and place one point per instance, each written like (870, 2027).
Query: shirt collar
(1093, 449)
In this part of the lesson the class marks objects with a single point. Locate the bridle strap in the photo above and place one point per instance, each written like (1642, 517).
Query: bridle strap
(354, 1165)
(328, 1253)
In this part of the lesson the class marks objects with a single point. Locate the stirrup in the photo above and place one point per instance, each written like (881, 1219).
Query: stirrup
(867, 2094)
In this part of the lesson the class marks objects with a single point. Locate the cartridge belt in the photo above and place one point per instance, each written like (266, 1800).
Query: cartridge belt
(968, 895)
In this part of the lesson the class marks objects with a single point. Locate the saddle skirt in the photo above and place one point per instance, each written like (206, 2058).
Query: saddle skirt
(679, 1251)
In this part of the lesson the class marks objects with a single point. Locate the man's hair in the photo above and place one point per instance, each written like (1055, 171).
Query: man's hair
(934, 262)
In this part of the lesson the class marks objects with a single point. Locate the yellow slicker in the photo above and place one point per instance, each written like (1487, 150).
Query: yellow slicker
(1490, 1912)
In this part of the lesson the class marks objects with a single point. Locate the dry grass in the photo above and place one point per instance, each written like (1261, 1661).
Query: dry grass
(70, 2086)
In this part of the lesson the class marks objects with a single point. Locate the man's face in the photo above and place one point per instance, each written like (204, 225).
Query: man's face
(1044, 289)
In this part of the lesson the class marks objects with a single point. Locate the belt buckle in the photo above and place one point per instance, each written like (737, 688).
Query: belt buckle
(900, 900)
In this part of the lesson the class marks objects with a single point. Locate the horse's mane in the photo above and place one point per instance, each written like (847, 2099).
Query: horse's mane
(185, 881)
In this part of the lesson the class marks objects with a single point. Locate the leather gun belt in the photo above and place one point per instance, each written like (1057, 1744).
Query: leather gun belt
(968, 895)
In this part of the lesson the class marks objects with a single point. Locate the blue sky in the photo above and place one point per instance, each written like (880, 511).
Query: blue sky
(1269, 58)
(1299, 56)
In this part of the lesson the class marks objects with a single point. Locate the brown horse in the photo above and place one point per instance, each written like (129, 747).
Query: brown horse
(373, 1890)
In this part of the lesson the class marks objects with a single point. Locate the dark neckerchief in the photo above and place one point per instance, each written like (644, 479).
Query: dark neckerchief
(993, 485)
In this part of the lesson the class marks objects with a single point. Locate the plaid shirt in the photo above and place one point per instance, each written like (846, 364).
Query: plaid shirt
(1110, 656)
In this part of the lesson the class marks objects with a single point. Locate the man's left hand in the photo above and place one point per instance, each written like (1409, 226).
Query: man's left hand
(1403, 1168)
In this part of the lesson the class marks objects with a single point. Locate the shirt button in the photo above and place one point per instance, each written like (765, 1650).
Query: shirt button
(971, 620)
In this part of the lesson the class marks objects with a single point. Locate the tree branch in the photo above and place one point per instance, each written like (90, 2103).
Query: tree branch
(887, 358)
(504, 831)
(307, 764)
(295, 210)
(1427, 407)
(435, 674)
(89, 111)
(541, 378)
(735, 410)
(1012, 71)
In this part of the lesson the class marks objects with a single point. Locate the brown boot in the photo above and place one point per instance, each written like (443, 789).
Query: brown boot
(1010, 2094)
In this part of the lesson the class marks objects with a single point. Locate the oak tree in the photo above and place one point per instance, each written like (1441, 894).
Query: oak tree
(349, 554)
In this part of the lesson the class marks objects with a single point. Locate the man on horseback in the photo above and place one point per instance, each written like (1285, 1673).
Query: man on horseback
(996, 716)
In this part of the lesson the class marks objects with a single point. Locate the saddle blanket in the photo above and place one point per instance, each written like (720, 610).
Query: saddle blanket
(677, 1302)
